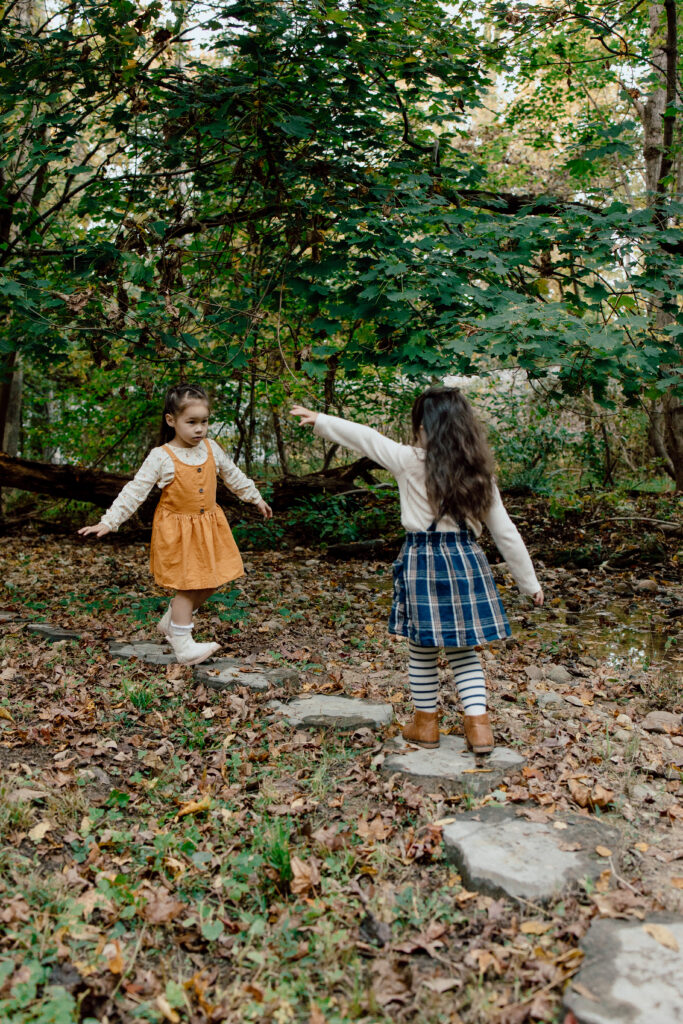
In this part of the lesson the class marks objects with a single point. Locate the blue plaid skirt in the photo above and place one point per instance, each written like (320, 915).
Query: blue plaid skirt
(444, 592)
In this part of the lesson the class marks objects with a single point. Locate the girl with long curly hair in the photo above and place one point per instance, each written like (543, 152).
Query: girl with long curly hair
(444, 592)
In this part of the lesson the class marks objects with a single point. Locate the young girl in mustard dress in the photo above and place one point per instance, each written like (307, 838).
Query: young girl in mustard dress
(193, 551)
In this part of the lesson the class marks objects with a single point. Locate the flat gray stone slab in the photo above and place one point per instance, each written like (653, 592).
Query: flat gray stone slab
(52, 632)
(321, 709)
(451, 766)
(229, 673)
(8, 616)
(633, 977)
(231, 678)
(500, 853)
(152, 654)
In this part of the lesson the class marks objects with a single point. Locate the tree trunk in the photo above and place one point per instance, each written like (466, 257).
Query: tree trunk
(79, 484)
(666, 413)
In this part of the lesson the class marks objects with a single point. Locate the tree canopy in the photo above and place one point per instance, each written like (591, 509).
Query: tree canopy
(274, 197)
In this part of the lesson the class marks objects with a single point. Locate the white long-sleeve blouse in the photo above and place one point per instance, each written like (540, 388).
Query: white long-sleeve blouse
(158, 469)
(406, 463)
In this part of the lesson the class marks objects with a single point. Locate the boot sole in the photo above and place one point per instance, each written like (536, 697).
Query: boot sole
(479, 750)
(198, 661)
(421, 743)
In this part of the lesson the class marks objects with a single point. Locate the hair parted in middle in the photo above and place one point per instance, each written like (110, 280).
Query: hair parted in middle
(176, 399)
(458, 461)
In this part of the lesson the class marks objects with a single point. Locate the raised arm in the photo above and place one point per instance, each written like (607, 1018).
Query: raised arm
(511, 546)
(130, 498)
(365, 440)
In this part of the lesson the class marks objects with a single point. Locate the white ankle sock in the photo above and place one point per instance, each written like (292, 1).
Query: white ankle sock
(180, 630)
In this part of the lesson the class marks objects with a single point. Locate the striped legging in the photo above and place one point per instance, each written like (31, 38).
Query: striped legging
(467, 672)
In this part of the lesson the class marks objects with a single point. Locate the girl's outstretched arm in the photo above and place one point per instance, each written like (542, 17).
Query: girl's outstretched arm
(365, 440)
(130, 497)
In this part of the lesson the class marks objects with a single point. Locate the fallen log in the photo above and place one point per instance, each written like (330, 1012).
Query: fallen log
(79, 483)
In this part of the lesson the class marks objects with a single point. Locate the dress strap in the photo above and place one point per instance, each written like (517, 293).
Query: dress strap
(432, 526)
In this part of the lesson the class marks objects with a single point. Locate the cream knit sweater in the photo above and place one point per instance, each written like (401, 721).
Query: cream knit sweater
(158, 469)
(406, 463)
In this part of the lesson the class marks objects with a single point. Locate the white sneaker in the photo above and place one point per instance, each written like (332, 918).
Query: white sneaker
(187, 652)
(164, 623)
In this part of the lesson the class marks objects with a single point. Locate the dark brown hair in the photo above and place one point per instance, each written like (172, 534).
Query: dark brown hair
(176, 400)
(458, 461)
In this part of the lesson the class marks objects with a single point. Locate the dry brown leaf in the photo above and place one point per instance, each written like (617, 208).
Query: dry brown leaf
(4, 713)
(643, 847)
(604, 881)
(39, 831)
(375, 829)
(161, 906)
(603, 851)
(166, 1009)
(535, 927)
(661, 934)
(390, 985)
(442, 984)
(583, 991)
(580, 794)
(305, 875)
(677, 882)
(601, 796)
(194, 807)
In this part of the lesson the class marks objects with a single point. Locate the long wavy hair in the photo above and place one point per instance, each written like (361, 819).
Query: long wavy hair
(458, 462)
(176, 399)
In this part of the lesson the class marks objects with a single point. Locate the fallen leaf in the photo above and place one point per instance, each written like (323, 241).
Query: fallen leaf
(535, 927)
(580, 794)
(677, 882)
(375, 829)
(390, 985)
(642, 847)
(603, 851)
(662, 935)
(442, 984)
(601, 796)
(40, 830)
(583, 991)
(194, 807)
(305, 875)
(4, 713)
(604, 881)
(160, 905)
(167, 1010)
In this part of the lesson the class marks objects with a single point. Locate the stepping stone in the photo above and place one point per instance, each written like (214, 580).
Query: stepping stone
(500, 853)
(231, 678)
(322, 709)
(229, 673)
(451, 766)
(152, 654)
(632, 977)
(49, 632)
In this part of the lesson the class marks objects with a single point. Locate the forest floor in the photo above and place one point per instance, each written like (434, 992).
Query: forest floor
(172, 853)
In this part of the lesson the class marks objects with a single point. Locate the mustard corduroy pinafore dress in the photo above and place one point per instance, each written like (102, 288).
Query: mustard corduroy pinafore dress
(192, 544)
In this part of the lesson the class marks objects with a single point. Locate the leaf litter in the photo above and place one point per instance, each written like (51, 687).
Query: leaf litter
(171, 852)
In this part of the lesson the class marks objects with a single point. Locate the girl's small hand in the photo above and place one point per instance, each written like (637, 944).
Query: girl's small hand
(99, 529)
(538, 598)
(265, 509)
(306, 416)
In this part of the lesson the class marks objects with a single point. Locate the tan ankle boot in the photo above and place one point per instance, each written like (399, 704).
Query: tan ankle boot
(423, 730)
(478, 734)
